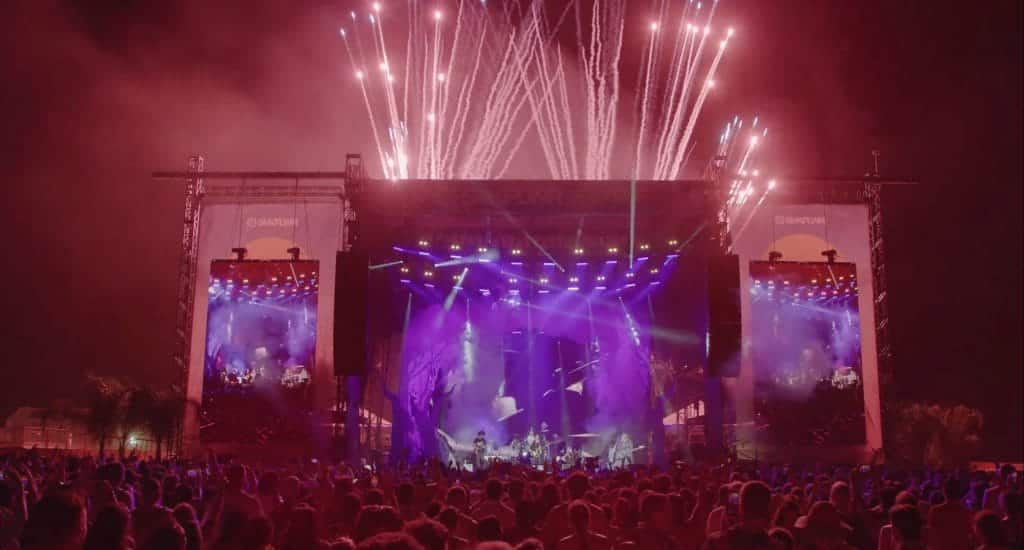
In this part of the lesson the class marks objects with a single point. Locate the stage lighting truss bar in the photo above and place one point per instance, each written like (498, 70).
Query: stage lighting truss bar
(187, 264)
(283, 190)
(873, 198)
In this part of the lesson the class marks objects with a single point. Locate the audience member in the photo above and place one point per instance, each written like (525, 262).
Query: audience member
(110, 530)
(754, 516)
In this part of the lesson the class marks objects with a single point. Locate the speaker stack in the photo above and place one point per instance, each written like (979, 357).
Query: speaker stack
(350, 311)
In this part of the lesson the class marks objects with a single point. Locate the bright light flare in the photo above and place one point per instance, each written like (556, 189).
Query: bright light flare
(440, 77)
(729, 32)
(654, 27)
(771, 184)
(359, 75)
(376, 6)
(437, 15)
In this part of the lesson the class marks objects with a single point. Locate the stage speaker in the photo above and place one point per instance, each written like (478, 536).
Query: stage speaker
(724, 325)
(351, 287)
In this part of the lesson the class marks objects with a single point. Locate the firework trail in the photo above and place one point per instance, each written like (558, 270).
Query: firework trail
(739, 145)
(475, 84)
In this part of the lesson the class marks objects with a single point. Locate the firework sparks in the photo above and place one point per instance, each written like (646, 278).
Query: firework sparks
(475, 84)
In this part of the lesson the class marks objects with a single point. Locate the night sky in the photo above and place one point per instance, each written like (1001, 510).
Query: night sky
(98, 94)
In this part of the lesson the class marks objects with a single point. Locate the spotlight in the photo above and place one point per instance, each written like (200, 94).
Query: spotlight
(613, 250)
(239, 253)
(774, 256)
(455, 277)
(424, 244)
(454, 246)
(481, 249)
(543, 280)
(428, 274)
(830, 254)
(513, 281)
(645, 246)
(578, 251)
(404, 269)
(601, 277)
(294, 253)
(517, 252)
(654, 270)
(574, 279)
(630, 275)
(673, 242)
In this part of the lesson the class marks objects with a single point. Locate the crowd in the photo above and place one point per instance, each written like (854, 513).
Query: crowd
(65, 502)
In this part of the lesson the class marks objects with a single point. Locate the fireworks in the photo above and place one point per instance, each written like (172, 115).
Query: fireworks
(740, 145)
(475, 84)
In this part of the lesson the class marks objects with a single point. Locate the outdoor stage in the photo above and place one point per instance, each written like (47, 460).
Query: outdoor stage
(575, 311)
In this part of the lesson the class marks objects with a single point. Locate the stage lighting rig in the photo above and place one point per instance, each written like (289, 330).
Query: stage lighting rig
(240, 253)
(830, 254)
(294, 253)
(774, 256)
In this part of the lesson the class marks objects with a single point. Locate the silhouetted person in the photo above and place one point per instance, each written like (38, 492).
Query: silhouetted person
(488, 529)
(150, 513)
(492, 505)
(907, 527)
(582, 538)
(524, 527)
(754, 519)
(110, 530)
(390, 541)
(185, 515)
(432, 535)
(988, 530)
(949, 523)
(56, 522)
(167, 536)
(374, 520)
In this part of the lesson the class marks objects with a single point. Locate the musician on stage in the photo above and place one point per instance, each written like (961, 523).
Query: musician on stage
(621, 454)
(479, 448)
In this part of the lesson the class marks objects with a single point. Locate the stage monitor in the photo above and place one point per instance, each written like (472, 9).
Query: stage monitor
(806, 345)
(260, 350)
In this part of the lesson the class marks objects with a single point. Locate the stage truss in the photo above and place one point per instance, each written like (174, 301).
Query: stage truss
(867, 190)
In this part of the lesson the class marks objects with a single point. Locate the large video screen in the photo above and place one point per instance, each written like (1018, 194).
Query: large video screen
(805, 336)
(260, 349)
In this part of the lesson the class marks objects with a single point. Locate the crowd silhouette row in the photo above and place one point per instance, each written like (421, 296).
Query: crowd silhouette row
(67, 502)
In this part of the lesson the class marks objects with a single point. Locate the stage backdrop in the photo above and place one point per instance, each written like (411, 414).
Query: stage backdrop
(267, 220)
(801, 233)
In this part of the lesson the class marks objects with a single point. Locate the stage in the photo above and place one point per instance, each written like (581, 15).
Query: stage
(573, 313)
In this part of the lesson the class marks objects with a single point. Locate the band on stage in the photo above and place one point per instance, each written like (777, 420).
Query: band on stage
(547, 450)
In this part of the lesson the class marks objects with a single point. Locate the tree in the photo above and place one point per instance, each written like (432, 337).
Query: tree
(137, 404)
(104, 400)
(939, 436)
(163, 417)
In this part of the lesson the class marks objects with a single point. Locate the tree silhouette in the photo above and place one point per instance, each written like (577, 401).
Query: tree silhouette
(163, 417)
(104, 407)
